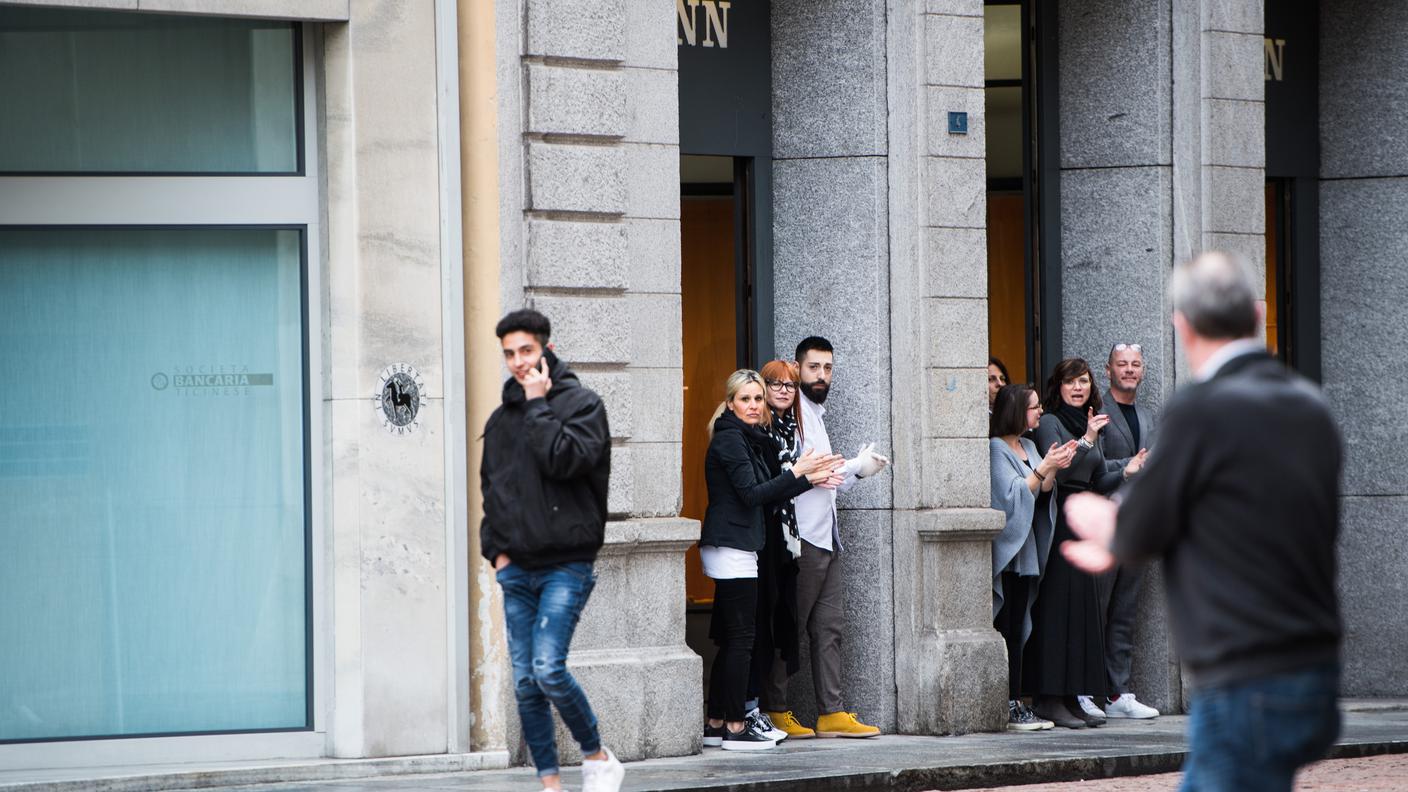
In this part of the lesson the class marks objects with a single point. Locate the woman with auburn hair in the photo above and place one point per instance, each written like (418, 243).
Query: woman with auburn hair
(777, 566)
(742, 490)
(1065, 655)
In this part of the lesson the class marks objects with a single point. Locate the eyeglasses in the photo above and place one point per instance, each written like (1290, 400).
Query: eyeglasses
(783, 387)
(1123, 347)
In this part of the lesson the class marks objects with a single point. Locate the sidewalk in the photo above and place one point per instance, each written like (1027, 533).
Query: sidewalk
(1121, 748)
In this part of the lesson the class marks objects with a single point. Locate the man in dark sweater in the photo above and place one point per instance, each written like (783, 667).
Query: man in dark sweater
(1241, 501)
(547, 458)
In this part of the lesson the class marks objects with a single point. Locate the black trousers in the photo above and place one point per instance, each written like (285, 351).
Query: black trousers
(1015, 591)
(735, 613)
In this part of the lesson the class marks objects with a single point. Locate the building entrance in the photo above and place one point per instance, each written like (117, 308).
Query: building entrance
(725, 69)
(1023, 295)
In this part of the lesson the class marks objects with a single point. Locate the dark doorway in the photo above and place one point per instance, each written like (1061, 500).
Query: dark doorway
(1024, 324)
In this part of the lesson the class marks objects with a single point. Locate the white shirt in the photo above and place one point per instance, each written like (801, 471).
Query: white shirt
(816, 508)
(1228, 351)
(728, 563)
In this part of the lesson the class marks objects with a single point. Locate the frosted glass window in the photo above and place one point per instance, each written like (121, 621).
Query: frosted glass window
(152, 482)
(102, 91)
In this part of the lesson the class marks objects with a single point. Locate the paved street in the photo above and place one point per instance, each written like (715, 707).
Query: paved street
(1372, 774)
(1115, 753)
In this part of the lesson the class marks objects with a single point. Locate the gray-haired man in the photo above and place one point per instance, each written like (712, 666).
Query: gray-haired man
(1131, 431)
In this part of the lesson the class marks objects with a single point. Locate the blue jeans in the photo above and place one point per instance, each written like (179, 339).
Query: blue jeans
(541, 608)
(1252, 736)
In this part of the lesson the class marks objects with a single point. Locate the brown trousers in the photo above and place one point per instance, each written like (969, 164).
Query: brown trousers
(820, 611)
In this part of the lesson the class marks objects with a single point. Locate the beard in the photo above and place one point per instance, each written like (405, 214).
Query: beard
(816, 391)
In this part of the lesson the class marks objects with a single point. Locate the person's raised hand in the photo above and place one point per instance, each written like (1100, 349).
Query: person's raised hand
(826, 479)
(1136, 463)
(1092, 519)
(536, 383)
(1094, 422)
(868, 463)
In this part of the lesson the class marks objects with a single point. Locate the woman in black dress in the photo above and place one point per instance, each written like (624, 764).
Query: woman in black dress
(1065, 655)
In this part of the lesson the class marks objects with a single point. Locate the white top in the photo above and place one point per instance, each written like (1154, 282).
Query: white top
(816, 508)
(727, 563)
(1220, 358)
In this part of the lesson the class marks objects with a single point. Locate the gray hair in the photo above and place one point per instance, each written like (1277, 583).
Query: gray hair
(1215, 292)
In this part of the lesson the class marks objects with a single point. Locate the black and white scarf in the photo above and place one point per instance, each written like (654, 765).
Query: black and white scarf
(783, 431)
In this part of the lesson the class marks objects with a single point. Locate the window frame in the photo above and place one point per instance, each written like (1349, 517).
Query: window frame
(190, 201)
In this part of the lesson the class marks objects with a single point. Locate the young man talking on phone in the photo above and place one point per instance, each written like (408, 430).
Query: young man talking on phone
(547, 458)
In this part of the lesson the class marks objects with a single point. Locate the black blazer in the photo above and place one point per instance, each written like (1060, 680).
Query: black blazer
(741, 486)
(1241, 498)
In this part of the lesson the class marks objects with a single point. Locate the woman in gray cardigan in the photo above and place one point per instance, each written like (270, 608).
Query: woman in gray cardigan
(1022, 481)
(1066, 652)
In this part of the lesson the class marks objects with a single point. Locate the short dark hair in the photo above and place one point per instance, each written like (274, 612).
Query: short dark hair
(1069, 369)
(993, 361)
(1009, 411)
(525, 320)
(811, 343)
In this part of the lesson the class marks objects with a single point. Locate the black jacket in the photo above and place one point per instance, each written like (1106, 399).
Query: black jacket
(544, 473)
(741, 486)
(1241, 498)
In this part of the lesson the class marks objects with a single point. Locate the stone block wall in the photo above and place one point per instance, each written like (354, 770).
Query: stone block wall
(591, 238)
(951, 666)
(830, 254)
(387, 553)
(1363, 290)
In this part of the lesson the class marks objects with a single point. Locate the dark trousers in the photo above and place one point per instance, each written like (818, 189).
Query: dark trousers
(1119, 601)
(821, 601)
(1015, 591)
(1252, 736)
(735, 610)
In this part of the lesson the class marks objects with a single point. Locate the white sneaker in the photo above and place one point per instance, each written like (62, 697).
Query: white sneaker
(603, 775)
(1127, 706)
(1088, 705)
(760, 720)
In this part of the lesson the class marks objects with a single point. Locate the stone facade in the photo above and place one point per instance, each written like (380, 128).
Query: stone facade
(879, 243)
(1363, 195)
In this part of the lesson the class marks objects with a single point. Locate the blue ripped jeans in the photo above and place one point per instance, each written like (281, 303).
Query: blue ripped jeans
(1252, 736)
(541, 608)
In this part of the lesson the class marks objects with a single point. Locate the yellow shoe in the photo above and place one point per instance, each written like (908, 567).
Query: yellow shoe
(789, 723)
(843, 724)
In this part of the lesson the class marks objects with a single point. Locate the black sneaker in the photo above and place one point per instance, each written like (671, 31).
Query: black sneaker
(714, 735)
(1019, 718)
(749, 738)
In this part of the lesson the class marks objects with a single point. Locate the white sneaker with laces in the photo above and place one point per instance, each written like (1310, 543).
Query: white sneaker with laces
(603, 775)
(1088, 704)
(758, 718)
(1127, 706)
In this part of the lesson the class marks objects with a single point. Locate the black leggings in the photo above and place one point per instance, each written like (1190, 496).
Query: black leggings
(1015, 590)
(735, 611)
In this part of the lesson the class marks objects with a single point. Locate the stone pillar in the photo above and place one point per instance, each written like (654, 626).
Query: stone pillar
(952, 677)
(1364, 286)
(1162, 155)
(830, 264)
(599, 229)
(1125, 138)
(387, 550)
